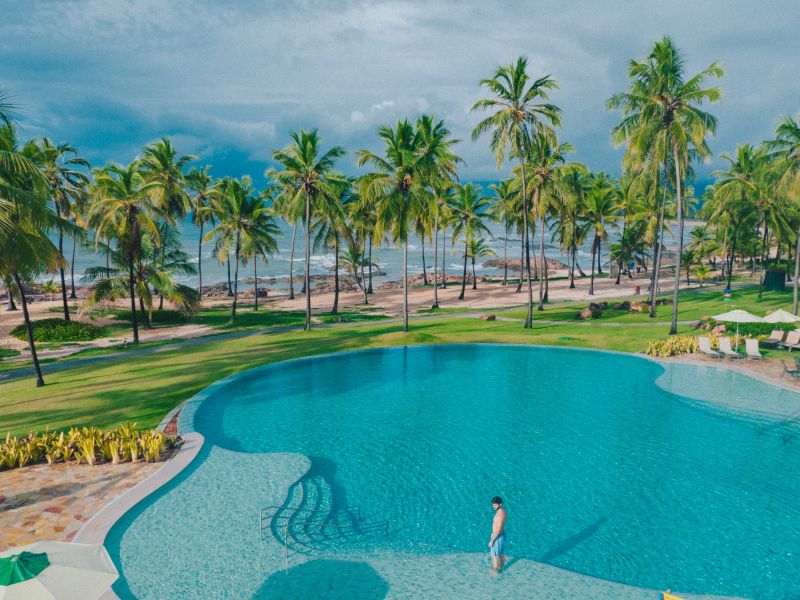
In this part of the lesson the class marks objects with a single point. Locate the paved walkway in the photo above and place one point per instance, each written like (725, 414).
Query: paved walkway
(52, 502)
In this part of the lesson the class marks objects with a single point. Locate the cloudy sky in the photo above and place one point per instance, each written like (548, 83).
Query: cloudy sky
(228, 80)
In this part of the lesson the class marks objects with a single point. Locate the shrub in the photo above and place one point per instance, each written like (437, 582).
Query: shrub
(163, 316)
(672, 346)
(58, 330)
(89, 445)
(7, 353)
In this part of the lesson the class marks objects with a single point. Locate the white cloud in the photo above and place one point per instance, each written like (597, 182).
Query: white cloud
(383, 104)
(356, 116)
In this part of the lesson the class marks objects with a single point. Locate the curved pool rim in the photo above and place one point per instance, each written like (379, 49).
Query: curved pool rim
(187, 411)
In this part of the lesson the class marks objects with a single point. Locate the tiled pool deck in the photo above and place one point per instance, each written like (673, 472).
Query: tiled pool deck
(52, 502)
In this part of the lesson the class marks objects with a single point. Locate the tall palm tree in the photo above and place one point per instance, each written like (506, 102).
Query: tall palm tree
(25, 218)
(599, 212)
(519, 108)
(244, 221)
(470, 211)
(477, 247)
(60, 165)
(785, 149)
(504, 212)
(663, 122)
(309, 171)
(571, 195)
(163, 168)
(397, 184)
(290, 206)
(122, 208)
(332, 230)
(201, 187)
(439, 181)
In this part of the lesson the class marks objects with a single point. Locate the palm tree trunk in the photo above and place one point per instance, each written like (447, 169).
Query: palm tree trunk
(424, 268)
(291, 262)
(228, 263)
(679, 205)
(335, 308)
(594, 249)
(543, 270)
(732, 257)
(573, 257)
(362, 284)
(444, 257)
(405, 284)
(529, 316)
(521, 264)
(796, 272)
(28, 329)
(132, 291)
(474, 277)
(255, 281)
(622, 250)
(435, 304)
(145, 319)
(464, 277)
(108, 266)
(658, 251)
(235, 280)
(369, 266)
(307, 273)
(200, 263)
(505, 256)
(72, 293)
(11, 306)
(764, 259)
(61, 266)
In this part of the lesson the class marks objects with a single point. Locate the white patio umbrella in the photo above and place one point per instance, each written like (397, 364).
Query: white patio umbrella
(738, 316)
(781, 316)
(55, 571)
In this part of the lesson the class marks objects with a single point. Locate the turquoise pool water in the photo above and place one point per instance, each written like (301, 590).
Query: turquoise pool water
(603, 471)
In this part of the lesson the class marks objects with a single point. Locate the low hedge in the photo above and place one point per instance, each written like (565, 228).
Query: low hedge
(59, 330)
(164, 316)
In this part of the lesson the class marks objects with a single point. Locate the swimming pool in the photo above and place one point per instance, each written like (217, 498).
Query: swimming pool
(394, 454)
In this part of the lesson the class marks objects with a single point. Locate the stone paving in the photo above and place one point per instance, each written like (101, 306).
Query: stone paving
(52, 502)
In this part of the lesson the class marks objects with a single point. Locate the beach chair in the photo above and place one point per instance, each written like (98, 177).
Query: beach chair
(751, 348)
(704, 345)
(725, 348)
(792, 341)
(775, 338)
(795, 374)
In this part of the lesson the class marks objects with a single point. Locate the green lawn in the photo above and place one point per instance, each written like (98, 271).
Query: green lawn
(144, 388)
(693, 305)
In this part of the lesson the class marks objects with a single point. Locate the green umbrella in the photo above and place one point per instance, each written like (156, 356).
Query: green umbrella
(21, 567)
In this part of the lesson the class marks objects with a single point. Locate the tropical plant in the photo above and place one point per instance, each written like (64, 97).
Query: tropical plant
(470, 211)
(201, 187)
(664, 124)
(309, 172)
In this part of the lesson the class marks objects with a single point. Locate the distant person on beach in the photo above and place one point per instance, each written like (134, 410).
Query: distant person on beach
(497, 543)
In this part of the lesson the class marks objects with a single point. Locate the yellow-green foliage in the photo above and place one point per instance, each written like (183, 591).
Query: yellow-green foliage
(672, 346)
(88, 445)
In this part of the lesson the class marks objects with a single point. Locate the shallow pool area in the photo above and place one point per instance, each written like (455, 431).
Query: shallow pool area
(375, 470)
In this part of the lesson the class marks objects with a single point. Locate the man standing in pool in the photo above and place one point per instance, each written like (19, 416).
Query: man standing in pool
(497, 543)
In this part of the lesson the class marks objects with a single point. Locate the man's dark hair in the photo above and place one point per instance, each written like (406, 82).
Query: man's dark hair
(497, 500)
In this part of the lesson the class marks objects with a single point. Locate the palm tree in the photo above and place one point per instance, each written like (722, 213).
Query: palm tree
(260, 239)
(663, 122)
(122, 208)
(310, 173)
(290, 206)
(201, 186)
(25, 218)
(397, 184)
(439, 185)
(470, 210)
(244, 223)
(599, 212)
(785, 149)
(155, 271)
(571, 195)
(504, 212)
(519, 108)
(332, 230)
(163, 168)
(477, 247)
(60, 164)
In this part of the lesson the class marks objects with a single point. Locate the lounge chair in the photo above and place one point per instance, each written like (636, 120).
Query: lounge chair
(725, 348)
(775, 338)
(792, 340)
(704, 345)
(795, 374)
(751, 348)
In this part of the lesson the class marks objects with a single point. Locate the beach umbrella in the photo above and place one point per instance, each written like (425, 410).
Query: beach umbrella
(55, 571)
(781, 316)
(738, 316)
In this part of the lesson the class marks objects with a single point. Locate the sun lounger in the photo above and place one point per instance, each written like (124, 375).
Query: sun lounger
(775, 338)
(704, 345)
(751, 348)
(792, 341)
(725, 348)
(795, 374)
